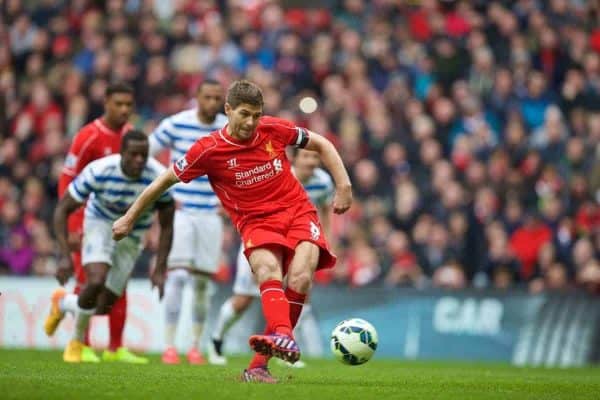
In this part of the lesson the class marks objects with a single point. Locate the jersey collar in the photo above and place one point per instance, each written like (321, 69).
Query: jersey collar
(236, 142)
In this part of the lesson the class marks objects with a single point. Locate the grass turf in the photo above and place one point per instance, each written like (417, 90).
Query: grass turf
(30, 374)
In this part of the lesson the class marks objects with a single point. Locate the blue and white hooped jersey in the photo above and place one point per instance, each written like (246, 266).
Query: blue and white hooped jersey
(110, 192)
(177, 133)
(319, 188)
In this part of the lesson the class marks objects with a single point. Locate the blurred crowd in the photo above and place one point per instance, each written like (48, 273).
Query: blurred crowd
(471, 129)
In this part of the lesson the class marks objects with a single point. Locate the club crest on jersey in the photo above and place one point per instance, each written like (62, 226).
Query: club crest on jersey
(181, 163)
(269, 149)
(232, 163)
(315, 232)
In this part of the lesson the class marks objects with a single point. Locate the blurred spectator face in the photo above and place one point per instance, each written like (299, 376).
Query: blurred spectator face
(546, 256)
(476, 174)
(513, 211)
(397, 243)
(592, 64)
(33, 196)
(486, 203)
(458, 225)
(556, 277)
(594, 127)
(272, 17)
(422, 229)
(117, 23)
(35, 65)
(536, 85)
(394, 155)
(118, 107)
(460, 91)
(430, 152)
(575, 150)
(503, 277)
(366, 174)
(503, 82)
(10, 151)
(444, 111)
(40, 96)
(462, 153)
(438, 236)
(10, 213)
(442, 175)
(552, 208)
(251, 42)
(179, 26)
(579, 187)
(422, 128)
(407, 200)
(452, 196)
(583, 252)
(450, 276)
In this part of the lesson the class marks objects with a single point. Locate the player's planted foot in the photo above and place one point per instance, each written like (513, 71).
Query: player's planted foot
(123, 355)
(215, 355)
(280, 346)
(77, 352)
(194, 357)
(259, 374)
(55, 315)
(170, 356)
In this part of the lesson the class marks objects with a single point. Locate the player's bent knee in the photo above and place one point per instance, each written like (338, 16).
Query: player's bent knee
(300, 281)
(266, 271)
(96, 274)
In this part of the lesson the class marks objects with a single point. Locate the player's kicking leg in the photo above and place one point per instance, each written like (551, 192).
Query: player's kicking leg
(278, 340)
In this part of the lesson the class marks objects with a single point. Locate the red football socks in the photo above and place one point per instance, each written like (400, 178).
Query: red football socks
(296, 301)
(276, 308)
(116, 322)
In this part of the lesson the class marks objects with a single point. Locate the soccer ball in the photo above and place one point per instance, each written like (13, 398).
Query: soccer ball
(353, 341)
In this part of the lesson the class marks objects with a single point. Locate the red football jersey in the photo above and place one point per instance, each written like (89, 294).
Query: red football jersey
(95, 140)
(253, 177)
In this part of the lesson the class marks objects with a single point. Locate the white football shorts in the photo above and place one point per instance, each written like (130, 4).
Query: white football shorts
(99, 247)
(197, 241)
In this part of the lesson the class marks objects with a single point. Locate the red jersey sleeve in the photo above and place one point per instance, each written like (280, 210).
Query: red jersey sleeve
(287, 131)
(196, 161)
(80, 154)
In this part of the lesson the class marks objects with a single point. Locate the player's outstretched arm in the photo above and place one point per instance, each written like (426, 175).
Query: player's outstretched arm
(166, 212)
(65, 206)
(333, 162)
(124, 225)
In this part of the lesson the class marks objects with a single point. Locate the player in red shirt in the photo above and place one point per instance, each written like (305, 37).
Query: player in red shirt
(99, 138)
(247, 167)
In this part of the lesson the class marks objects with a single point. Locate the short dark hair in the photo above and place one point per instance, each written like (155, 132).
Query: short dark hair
(207, 82)
(118, 87)
(244, 92)
(132, 136)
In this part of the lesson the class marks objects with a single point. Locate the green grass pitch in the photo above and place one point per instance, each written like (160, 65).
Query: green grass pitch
(42, 375)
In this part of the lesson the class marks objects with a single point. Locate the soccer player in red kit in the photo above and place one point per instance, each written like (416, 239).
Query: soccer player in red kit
(99, 138)
(247, 167)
